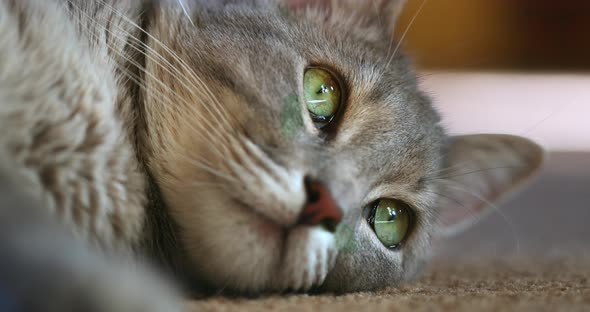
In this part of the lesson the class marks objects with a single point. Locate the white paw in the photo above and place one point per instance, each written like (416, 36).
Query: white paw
(310, 255)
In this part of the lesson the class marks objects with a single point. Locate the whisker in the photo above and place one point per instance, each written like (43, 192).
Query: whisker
(206, 184)
(556, 111)
(137, 80)
(378, 13)
(183, 7)
(211, 170)
(432, 178)
(405, 33)
(511, 225)
(196, 80)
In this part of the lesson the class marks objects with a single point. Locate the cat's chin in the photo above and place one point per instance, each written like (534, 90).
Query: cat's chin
(302, 259)
(242, 251)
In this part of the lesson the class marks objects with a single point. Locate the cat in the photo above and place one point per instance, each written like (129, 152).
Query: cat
(242, 146)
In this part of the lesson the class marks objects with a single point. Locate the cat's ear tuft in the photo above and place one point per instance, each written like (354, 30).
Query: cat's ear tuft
(482, 169)
(381, 13)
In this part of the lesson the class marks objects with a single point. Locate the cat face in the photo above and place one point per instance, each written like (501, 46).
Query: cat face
(273, 191)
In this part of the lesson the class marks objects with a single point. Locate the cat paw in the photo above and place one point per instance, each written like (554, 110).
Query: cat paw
(310, 256)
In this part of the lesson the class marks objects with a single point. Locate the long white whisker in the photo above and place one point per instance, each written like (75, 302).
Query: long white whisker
(405, 33)
(182, 63)
(183, 7)
(136, 80)
(459, 174)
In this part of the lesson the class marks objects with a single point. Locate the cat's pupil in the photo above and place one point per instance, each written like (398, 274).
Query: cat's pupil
(323, 89)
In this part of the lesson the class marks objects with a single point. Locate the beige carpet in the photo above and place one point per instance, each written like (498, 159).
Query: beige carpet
(559, 284)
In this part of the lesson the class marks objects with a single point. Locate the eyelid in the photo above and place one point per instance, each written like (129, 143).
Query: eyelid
(390, 190)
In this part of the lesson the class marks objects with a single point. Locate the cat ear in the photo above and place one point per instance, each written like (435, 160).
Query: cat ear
(383, 13)
(482, 169)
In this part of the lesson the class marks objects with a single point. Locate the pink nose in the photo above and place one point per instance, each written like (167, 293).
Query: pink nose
(320, 208)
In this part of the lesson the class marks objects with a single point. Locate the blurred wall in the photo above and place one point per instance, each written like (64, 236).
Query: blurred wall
(499, 34)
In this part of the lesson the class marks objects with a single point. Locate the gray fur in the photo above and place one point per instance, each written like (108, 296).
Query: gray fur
(153, 132)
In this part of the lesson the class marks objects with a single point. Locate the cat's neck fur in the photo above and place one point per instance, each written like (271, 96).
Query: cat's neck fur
(116, 29)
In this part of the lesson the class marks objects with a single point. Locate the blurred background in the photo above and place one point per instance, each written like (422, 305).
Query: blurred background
(519, 67)
(532, 35)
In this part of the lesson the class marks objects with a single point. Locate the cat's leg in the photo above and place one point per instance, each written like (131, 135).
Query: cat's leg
(59, 128)
(69, 181)
(43, 268)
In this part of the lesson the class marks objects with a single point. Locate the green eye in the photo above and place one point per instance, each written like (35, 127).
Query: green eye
(390, 219)
(322, 95)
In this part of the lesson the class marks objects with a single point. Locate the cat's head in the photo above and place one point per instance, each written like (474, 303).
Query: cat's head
(294, 150)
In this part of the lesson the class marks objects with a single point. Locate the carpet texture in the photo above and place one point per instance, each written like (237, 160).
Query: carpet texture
(532, 255)
(562, 284)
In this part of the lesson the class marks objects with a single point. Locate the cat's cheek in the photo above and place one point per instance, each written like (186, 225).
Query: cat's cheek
(228, 245)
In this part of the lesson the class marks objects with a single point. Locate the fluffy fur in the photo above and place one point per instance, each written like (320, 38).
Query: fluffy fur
(177, 131)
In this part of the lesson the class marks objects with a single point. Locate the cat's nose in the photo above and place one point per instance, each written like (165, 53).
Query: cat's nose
(320, 207)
